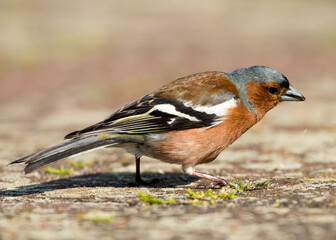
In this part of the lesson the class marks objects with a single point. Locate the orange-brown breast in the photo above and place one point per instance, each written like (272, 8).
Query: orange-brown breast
(196, 146)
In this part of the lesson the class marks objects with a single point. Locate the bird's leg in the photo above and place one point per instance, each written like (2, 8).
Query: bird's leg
(191, 171)
(138, 178)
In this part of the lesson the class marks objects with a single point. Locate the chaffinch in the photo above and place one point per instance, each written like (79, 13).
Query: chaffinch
(189, 121)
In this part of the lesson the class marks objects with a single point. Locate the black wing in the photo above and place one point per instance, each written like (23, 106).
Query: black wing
(150, 115)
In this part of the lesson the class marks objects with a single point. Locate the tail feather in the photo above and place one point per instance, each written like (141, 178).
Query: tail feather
(63, 150)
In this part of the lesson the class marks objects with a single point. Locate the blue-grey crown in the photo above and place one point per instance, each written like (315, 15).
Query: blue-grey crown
(259, 74)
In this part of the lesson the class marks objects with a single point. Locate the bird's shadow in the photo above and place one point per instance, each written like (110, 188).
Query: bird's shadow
(116, 180)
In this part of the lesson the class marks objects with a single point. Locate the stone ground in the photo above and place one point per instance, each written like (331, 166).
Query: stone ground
(296, 155)
(41, 100)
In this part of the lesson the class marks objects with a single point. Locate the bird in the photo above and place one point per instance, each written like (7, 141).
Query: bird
(188, 122)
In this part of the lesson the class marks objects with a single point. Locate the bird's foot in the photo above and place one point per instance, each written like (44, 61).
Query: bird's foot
(212, 185)
(217, 182)
(139, 182)
(218, 185)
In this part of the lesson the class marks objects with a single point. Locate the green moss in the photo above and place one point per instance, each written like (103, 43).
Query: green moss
(170, 201)
(206, 198)
(262, 184)
(153, 200)
(61, 171)
(79, 164)
(242, 186)
(96, 218)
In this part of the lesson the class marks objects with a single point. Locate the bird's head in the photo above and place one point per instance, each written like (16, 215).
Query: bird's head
(262, 88)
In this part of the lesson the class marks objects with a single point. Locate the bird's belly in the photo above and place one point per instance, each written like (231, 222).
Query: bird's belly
(197, 146)
(132, 148)
(181, 147)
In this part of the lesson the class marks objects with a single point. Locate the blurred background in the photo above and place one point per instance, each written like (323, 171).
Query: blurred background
(68, 64)
(88, 53)
(65, 65)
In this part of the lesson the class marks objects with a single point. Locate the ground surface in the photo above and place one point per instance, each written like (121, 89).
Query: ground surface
(64, 67)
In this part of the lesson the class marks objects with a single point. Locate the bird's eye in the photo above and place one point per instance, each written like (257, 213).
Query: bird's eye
(273, 90)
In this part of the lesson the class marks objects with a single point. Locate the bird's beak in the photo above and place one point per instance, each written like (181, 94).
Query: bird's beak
(292, 95)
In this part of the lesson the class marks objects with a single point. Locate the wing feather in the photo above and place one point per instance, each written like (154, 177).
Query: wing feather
(160, 112)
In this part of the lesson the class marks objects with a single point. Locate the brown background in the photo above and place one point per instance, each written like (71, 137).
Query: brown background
(67, 64)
